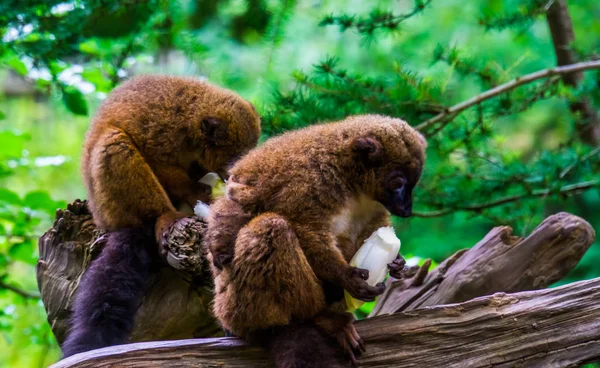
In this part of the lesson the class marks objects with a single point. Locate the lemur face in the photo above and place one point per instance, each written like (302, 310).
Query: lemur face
(393, 154)
(397, 191)
(231, 133)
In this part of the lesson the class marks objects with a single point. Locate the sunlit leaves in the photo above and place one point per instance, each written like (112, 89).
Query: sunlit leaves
(20, 220)
(48, 36)
(12, 144)
(41, 200)
(24, 251)
(97, 78)
(17, 65)
(8, 197)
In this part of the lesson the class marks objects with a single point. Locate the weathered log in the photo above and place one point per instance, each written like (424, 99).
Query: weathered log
(557, 327)
(175, 306)
(500, 262)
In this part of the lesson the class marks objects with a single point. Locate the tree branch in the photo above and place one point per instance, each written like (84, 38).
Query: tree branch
(563, 35)
(552, 327)
(500, 262)
(445, 117)
(567, 189)
(24, 293)
(583, 158)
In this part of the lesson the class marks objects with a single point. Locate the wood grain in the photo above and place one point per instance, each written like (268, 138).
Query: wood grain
(557, 327)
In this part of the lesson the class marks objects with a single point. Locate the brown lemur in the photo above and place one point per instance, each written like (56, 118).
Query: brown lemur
(148, 145)
(296, 211)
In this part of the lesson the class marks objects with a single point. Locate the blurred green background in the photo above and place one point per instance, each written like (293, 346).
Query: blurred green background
(302, 62)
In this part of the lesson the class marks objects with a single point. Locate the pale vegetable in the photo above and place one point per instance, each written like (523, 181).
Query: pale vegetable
(210, 179)
(217, 185)
(201, 209)
(378, 250)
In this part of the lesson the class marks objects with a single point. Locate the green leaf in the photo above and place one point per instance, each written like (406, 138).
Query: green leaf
(95, 76)
(90, 46)
(11, 144)
(41, 200)
(4, 261)
(2, 115)
(9, 197)
(42, 83)
(17, 65)
(75, 101)
(24, 252)
(56, 68)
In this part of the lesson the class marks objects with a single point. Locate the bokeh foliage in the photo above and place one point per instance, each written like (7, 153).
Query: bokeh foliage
(512, 159)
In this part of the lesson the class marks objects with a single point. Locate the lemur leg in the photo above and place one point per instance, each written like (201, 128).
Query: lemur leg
(124, 191)
(340, 325)
(269, 282)
(287, 317)
(230, 218)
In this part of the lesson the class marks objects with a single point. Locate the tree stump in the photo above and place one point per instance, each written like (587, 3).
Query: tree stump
(177, 304)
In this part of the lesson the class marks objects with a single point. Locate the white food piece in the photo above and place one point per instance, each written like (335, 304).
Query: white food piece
(380, 249)
(201, 209)
(210, 179)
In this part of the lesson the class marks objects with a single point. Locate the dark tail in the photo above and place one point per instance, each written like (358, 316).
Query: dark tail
(110, 292)
(300, 345)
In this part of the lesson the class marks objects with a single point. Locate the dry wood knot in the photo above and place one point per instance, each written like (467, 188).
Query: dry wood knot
(184, 244)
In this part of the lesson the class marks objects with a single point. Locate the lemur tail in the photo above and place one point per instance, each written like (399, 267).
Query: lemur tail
(110, 292)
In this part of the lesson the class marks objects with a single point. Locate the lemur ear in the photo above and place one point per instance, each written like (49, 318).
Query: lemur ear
(214, 130)
(368, 150)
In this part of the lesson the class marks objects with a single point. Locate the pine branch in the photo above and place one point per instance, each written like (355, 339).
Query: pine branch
(376, 20)
(446, 117)
(21, 292)
(567, 189)
(521, 19)
(579, 161)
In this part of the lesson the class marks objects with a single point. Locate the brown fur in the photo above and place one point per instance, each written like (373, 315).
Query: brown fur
(149, 144)
(305, 202)
(151, 141)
